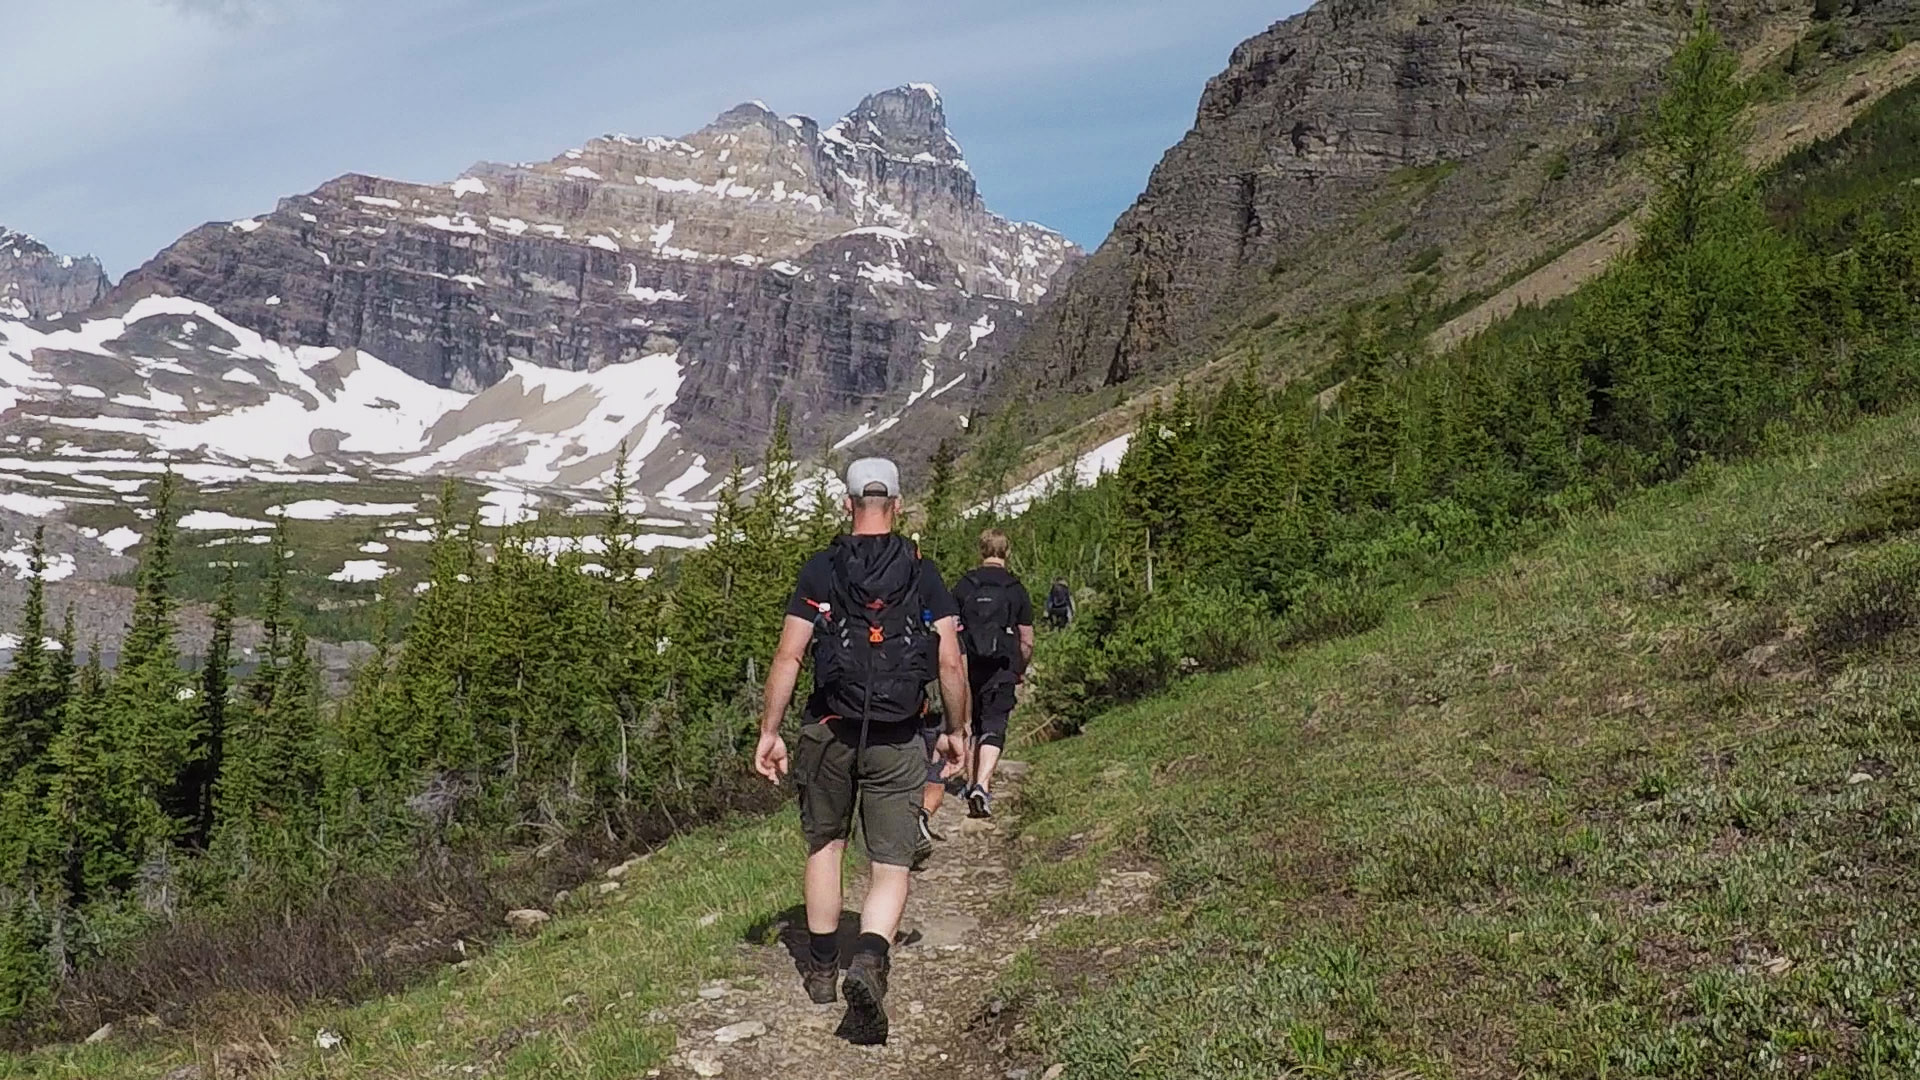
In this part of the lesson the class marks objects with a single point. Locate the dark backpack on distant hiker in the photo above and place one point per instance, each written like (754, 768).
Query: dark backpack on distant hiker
(873, 651)
(1060, 602)
(987, 632)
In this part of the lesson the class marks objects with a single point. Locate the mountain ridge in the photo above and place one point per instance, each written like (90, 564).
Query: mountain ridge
(36, 282)
(847, 274)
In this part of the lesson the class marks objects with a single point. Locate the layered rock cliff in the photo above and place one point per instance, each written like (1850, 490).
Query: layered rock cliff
(1325, 117)
(845, 272)
(35, 283)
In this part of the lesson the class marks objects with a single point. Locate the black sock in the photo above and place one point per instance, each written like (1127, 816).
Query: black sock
(825, 948)
(870, 943)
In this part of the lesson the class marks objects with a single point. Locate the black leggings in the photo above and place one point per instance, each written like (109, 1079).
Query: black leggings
(992, 709)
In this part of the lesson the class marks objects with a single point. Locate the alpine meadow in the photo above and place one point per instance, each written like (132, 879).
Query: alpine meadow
(1536, 701)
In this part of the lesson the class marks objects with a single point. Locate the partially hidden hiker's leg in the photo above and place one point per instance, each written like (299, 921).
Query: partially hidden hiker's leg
(989, 757)
(935, 790)
(993, 712)
(893, 776)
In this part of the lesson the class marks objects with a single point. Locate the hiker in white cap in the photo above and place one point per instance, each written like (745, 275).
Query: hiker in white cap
(881, 625)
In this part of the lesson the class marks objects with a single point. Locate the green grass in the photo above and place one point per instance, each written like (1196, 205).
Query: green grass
(1638, 802)
(573, 1002)
(1602, 811)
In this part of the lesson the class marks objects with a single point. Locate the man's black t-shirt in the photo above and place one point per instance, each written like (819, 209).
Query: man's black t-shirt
(815, 586)
(984, 675)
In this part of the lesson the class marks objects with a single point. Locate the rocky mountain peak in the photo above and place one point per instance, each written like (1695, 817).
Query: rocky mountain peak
(36, 283)
(906, 122)
(19, 245)
(744, 115)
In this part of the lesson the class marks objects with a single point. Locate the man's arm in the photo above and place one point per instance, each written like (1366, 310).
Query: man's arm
(1026, 645)
(783, 673)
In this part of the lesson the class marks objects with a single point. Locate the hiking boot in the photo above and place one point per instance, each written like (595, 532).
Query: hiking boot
(979, 802)
(866, 988)
(822, 981)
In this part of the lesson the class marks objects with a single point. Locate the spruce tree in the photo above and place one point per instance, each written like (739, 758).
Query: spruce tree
(146, 727)
(194, 803)
(102, 814)
(64, 665)
(1369, 426)
(31, 691)
(940, 514)
(1697, 143)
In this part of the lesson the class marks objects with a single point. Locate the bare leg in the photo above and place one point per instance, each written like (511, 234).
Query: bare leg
(822, 888)
(983, 774)
(886, 901)
(932, 796)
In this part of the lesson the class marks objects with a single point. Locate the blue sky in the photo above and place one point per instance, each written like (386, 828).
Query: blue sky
(127, 122)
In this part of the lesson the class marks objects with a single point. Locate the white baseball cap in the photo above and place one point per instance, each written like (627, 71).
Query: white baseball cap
(873, 476)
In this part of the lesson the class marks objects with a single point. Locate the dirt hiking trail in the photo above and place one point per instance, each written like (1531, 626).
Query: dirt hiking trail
(949, 952)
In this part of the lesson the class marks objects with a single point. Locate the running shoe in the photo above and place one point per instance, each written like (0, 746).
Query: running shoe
(979, 802)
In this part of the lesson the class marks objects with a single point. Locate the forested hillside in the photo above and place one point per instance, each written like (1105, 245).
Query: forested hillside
(535, 701)
(1251, 518)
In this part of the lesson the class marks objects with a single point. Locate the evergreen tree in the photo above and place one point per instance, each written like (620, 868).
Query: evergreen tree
(940, 515)
(102, 817)
(145, 733)
(31, 692)
(64, 664)
(1698, 332)
(194, 802)
(1369, 427)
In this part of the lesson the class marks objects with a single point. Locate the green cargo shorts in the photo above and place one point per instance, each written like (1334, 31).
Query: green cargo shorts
(887, 777)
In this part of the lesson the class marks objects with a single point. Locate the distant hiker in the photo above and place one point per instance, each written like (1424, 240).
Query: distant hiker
(1059, 604)
(996, 629)
(881, 625)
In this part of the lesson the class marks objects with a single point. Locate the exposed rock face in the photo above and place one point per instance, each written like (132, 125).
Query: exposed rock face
(836, 271)
(37, 284)
(1304, 127)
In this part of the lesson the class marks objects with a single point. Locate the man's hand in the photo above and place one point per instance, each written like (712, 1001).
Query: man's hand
(953, 747)
(770, 760)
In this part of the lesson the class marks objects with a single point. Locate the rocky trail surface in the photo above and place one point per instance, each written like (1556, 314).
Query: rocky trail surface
(950, 950)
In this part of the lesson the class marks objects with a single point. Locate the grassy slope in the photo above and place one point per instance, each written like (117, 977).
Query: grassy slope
(573, 1002)
(1550, 823)
(1546, 822)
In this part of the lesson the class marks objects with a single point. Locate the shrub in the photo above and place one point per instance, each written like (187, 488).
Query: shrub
(25, 973)
(1425, 261)
(1121, 650)
(1893, 507)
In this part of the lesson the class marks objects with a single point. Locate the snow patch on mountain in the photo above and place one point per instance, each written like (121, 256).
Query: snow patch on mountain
(1088, 468)
(289, 408)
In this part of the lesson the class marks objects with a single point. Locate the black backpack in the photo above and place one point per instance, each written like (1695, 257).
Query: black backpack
(986, 620)
(1060, 599)
(873, 651)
